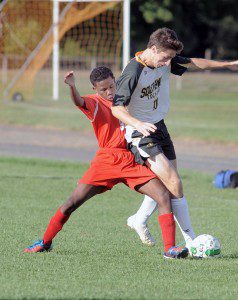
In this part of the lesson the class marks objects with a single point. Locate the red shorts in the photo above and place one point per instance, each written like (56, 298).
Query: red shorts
(112, 166)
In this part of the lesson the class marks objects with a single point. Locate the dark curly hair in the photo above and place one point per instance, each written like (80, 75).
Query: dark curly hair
(165, 38)
(100, 73)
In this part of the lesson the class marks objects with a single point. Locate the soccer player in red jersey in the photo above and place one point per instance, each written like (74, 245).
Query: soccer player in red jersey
(112, 164)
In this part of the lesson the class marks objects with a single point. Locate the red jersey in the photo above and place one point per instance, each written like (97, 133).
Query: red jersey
(113, 163)
(107, 128)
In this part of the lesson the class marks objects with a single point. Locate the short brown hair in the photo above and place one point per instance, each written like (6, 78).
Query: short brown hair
(165, 38)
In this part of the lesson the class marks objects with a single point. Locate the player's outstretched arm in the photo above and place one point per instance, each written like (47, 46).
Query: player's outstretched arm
(70, 80)
(207, 64)
(122, 114)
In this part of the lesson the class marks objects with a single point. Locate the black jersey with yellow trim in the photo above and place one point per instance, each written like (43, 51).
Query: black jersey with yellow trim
(127, 82)
(176, 65)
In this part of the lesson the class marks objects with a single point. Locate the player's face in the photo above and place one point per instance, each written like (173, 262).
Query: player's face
(106, 88)
(162, 57)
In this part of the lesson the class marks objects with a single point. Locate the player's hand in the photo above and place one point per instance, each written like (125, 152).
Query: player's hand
(69, 78)
(145, 128)
(233, 65)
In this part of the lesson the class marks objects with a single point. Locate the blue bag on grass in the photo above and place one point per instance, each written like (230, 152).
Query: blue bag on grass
(226, 179)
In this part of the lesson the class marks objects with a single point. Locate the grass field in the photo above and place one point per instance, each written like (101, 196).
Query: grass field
(96, 256)
(205, 108)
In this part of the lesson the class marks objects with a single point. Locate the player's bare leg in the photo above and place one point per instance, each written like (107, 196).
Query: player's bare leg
(182, 217)
(81, 194)
(156, 190)
(148, 206)
(180, 211)
(137, 223)
(167, 173)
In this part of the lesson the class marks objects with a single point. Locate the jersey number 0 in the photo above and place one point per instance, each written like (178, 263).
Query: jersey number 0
(155, 104)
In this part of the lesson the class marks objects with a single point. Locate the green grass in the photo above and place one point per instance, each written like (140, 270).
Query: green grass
(42, 111)
(96, 256)
(205, 108)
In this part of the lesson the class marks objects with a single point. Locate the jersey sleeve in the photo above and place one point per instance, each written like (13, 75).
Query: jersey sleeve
(176, 63)
(127, 83)
(90, 107)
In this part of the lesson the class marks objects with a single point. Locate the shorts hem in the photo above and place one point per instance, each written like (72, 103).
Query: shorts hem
(133, 187)
(95, 184)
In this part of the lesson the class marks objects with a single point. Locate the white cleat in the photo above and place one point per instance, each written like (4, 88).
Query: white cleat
(142, 230)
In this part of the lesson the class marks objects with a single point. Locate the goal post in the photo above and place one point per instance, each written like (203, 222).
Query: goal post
(56, 55)
(55, 50)
(56, 35)
(126, 32)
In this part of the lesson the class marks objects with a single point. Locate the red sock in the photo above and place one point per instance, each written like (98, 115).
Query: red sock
(55, 225)
(167, 226)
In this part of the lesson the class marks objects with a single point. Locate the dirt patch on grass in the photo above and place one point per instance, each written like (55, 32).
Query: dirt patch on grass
(23, 141)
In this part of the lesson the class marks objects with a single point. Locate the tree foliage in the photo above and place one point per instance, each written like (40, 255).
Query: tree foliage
(200, 24)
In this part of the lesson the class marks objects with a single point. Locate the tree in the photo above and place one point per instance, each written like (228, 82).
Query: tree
(200, 24)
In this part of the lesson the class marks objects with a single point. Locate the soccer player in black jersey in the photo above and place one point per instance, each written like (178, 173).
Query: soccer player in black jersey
(142, 103)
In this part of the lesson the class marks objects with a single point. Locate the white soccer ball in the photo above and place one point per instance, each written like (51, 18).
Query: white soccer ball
(205, 246)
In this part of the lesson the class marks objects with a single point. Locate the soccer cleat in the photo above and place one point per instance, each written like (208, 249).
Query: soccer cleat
(176, 252)
(39, 246)
(142, 230)
(188, 246)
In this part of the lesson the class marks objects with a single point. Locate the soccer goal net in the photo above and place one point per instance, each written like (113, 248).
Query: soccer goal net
(41, 40)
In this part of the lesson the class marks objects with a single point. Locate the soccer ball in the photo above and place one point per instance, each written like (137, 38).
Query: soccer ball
(205, 246)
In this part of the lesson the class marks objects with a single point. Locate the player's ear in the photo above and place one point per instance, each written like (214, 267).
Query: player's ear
(154, 49)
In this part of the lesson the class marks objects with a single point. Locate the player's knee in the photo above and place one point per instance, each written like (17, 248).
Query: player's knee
(175, 186)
